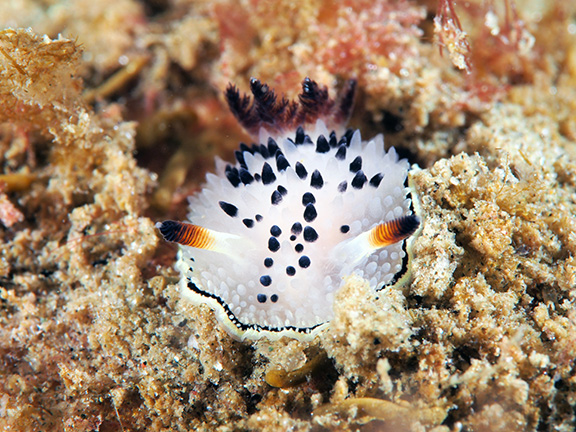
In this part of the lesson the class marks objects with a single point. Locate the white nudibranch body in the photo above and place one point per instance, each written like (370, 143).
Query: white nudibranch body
(272, 237)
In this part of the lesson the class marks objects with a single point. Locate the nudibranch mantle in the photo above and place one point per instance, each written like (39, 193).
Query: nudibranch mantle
(271, 238)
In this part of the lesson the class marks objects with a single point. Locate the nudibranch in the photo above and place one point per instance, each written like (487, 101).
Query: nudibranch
(271, 238)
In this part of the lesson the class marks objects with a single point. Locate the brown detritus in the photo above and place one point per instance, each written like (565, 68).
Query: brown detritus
(172, 178)
(366, 409)
(117, 81)
(195, 133)
(190, 160)
(285, 379)
(16, 182)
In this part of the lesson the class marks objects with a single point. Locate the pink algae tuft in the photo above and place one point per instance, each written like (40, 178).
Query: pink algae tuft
(449, 34)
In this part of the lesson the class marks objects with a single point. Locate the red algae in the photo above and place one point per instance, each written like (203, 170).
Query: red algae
(449, 34)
